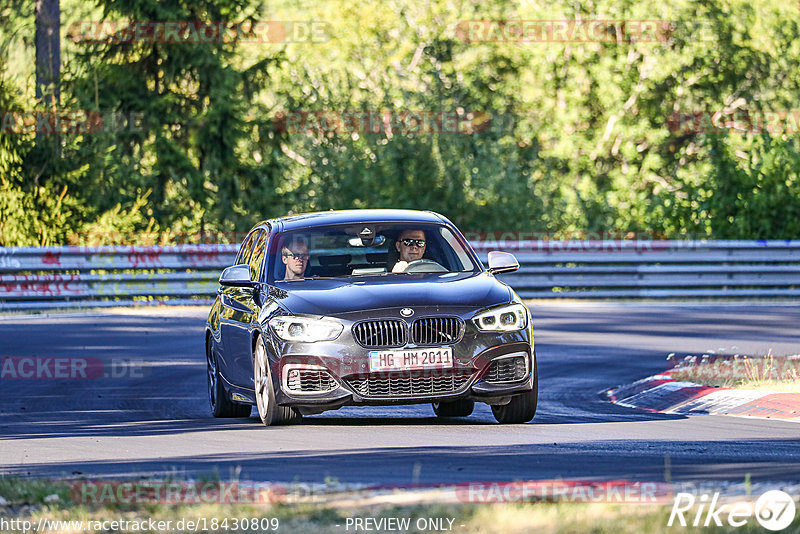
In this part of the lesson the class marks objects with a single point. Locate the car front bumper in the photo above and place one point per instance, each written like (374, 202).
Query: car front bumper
(347, 382)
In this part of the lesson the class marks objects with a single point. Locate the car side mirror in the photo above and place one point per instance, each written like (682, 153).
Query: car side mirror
(237, 276)
(502, 262)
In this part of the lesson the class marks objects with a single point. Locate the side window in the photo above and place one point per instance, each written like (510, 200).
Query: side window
(258, 256)
(462, 261)
(246, 250)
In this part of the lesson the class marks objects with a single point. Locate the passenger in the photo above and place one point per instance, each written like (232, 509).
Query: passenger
(411, 246)
(295, 257)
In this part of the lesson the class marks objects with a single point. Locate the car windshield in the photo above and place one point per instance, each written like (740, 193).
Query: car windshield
(367, 249)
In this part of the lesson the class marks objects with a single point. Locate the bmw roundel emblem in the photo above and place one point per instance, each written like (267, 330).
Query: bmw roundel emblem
(406, 312)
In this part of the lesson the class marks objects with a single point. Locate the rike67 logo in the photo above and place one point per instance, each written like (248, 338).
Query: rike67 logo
(774, 510)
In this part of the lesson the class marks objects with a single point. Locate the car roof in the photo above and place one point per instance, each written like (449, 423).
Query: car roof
(323, 218)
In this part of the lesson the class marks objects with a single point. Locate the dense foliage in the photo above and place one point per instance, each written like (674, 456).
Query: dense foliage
(659, 135)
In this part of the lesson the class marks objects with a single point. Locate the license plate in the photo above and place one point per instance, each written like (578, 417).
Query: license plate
(409, 360)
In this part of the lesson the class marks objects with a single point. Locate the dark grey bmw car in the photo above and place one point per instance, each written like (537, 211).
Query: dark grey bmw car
(367, 307)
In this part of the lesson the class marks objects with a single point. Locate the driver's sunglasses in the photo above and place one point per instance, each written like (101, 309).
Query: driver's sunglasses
(296, 256)
(414, 242)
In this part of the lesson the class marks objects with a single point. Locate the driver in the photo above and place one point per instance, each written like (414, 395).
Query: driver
(295, 256)
(411, 246)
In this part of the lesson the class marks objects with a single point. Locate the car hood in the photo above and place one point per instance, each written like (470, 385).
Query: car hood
(343, 296)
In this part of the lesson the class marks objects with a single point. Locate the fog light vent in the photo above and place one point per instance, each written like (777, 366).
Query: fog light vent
(309, 381)
(508, 369)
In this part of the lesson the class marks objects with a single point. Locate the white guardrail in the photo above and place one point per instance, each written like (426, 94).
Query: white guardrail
(71, 276)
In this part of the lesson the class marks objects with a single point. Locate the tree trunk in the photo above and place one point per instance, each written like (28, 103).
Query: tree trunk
(48, 52)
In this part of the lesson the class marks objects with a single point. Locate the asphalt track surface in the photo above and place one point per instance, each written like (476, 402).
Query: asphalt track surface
(157, 423)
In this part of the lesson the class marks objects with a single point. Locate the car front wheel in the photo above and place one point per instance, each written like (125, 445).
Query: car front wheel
(221, 406)
(522, 407)
(269, 412)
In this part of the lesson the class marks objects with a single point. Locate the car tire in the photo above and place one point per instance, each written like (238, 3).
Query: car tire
(221, 406)
(522, 407)
(458, 408)
(268, 410)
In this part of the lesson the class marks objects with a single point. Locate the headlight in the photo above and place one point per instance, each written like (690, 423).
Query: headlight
(305, 330)
(504, 319)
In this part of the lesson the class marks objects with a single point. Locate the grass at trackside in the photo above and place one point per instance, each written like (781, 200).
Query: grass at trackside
(32, 500)
(466, 519)
(760, 373)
